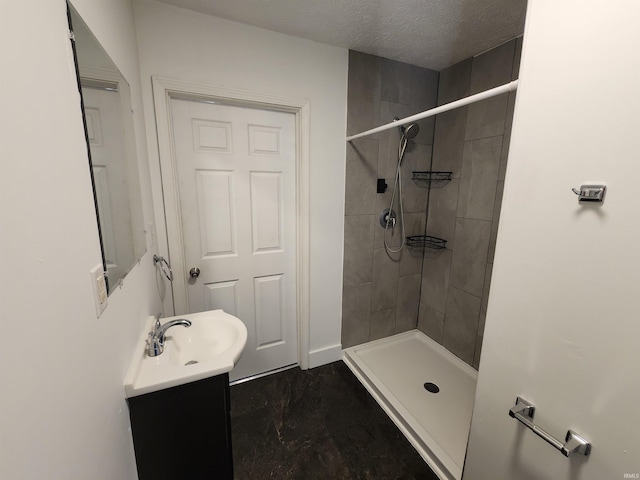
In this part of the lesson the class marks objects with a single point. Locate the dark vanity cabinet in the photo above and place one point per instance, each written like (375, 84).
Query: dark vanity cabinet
(183, 432)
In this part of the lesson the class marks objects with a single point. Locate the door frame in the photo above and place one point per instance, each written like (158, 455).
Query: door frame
(166, 89)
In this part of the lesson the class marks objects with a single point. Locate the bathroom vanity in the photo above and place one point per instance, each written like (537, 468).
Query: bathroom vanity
(178, 396)
(183, 432)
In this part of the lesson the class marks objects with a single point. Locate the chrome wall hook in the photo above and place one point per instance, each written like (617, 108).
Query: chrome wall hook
(590, 193)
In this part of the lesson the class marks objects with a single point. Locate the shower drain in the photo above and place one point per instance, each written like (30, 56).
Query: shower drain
(191, 362)
(431, 387)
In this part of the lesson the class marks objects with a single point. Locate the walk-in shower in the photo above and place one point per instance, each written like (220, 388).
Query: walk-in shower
(389, 217)
(414, 307)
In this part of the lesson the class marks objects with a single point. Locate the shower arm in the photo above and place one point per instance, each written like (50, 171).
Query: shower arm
(507, 87)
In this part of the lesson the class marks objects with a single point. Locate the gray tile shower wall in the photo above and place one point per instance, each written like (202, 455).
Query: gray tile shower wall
(444, 296)
(381, 292)
(473, 143)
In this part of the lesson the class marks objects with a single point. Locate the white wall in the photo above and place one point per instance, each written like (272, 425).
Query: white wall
(62, 412)
(192, 47)
(563, 325)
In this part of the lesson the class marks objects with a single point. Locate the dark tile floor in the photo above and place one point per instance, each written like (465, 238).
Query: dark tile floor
(317, 424)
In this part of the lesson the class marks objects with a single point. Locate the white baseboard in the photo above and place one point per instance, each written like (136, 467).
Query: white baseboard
(322, 356)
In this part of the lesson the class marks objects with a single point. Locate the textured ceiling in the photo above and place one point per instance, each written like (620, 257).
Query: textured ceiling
(429, 33)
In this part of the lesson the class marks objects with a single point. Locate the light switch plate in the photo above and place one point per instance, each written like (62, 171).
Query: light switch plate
(99, 285)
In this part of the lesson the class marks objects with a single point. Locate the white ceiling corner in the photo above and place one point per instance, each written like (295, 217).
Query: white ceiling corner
(428, 33)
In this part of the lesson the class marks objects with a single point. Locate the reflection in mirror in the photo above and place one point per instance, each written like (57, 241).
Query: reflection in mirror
(111, 143)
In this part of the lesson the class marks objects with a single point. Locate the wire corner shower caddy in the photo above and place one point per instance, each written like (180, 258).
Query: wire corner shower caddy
(431, 179)
(419, 245)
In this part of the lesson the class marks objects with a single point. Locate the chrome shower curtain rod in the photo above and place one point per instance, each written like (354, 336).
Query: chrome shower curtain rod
(507, 87)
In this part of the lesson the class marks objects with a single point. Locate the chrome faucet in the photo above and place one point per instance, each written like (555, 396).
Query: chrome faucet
(156, 336)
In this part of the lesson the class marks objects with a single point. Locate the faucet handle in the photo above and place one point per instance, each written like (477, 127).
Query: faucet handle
(154, 347)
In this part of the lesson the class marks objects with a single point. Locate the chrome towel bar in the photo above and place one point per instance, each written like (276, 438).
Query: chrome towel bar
(574, 443)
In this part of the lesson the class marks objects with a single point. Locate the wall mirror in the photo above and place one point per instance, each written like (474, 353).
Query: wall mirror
(108, 120)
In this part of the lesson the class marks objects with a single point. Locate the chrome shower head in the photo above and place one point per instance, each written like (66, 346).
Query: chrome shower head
(410, 131)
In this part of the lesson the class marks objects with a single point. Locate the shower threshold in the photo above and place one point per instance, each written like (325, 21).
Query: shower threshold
(426, 390)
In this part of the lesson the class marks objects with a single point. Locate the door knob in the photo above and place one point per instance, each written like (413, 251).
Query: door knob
(194, 272)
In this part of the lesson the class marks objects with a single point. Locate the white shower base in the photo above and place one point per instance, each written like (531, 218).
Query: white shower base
(395, 369)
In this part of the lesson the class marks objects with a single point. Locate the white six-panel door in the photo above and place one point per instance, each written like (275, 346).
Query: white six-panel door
(235, 171)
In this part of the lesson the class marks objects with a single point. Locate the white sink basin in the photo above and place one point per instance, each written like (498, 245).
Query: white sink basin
(211, 346)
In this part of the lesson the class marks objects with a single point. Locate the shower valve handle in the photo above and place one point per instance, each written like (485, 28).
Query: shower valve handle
(388, 219)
